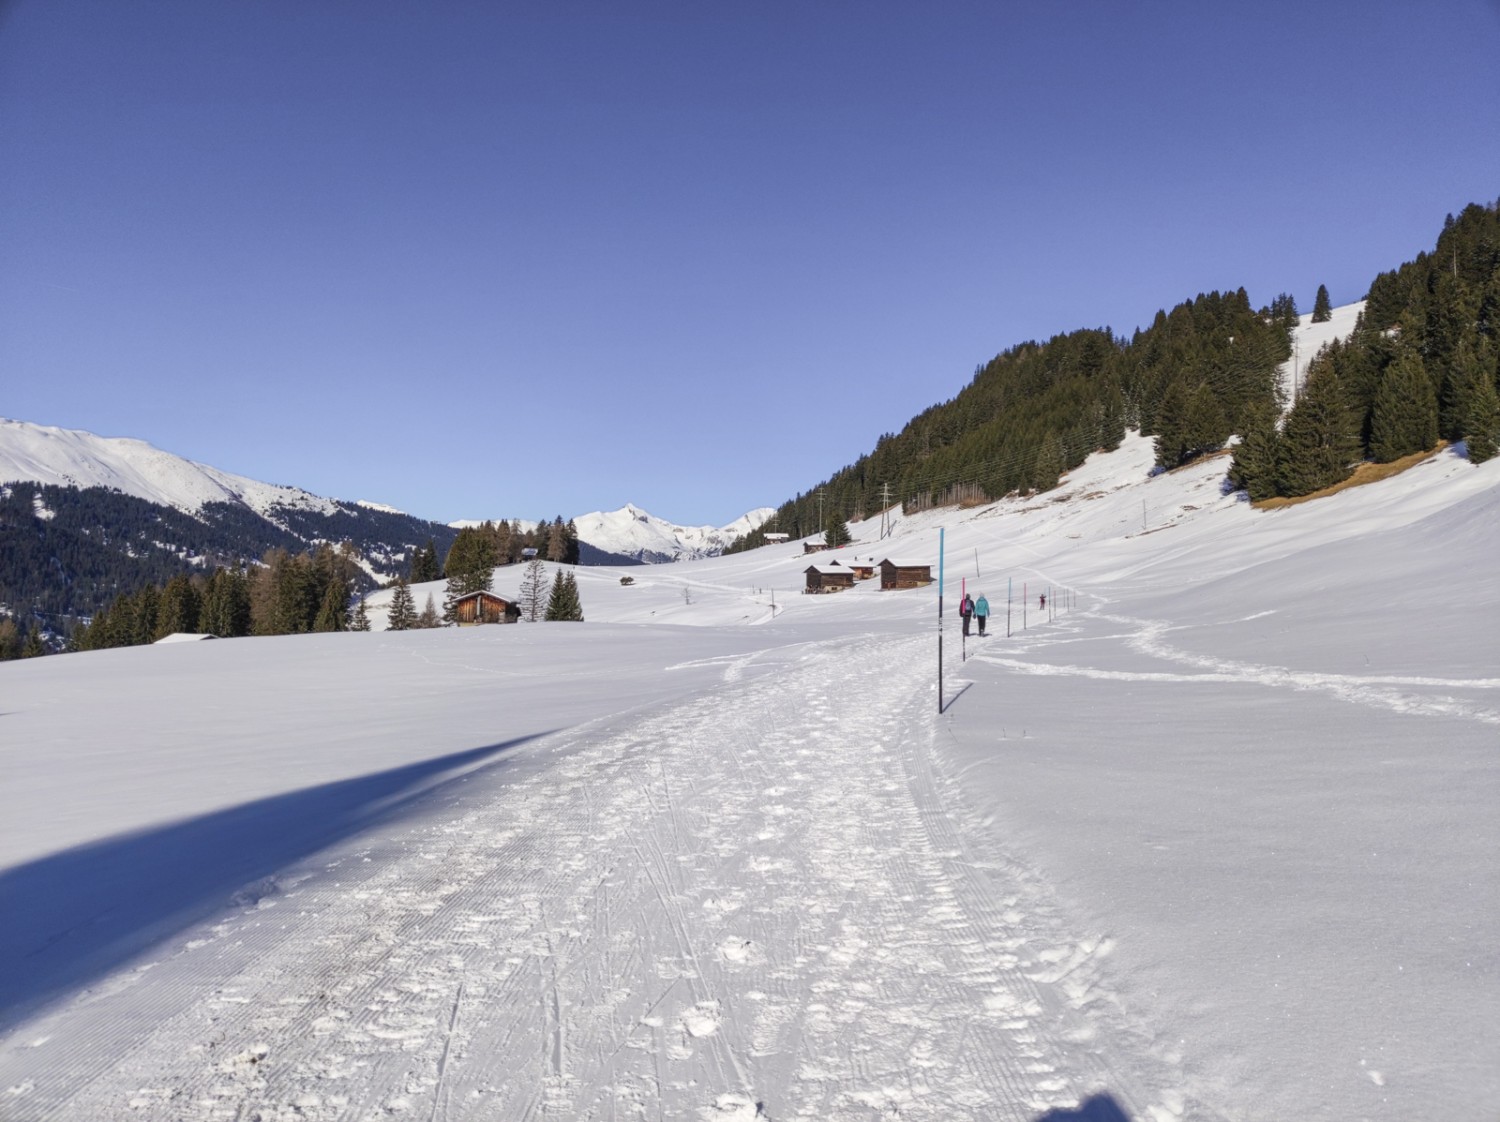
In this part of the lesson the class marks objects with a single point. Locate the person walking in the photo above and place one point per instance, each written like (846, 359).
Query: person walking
(966, 612)
(981, 611)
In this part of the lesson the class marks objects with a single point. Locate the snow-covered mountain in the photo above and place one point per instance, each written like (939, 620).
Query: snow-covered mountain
(630, 535)
(83, 516)
(73, 458)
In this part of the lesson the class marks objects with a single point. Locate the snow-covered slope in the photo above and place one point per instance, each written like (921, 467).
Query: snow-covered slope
(632, 533)
(72, 458)
(1308, 339)
(1211, 837)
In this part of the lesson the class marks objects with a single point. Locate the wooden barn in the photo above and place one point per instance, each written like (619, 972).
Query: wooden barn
(828, 578)
(904, 574)
(485, 607)
(814, 547)
(862, 568)
(776, 538)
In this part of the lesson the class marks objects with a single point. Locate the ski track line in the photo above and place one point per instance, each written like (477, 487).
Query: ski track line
(1381, 691)
(760, 904)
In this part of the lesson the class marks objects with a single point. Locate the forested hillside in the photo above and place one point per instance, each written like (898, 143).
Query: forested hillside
(67, 552)
(1421, 365)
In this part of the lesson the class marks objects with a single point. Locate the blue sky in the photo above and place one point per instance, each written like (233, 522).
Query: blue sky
(521, 260)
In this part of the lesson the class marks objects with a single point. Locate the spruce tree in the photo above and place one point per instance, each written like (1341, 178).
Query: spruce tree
(1204, 428)
(429, 617)
(333, 610)
(836, 533)
(1322, 306)
(402, 615)
(1253, 469)
(1404, 415)
(1482, 431)
(361, 619)
(1320, 441)
(424, 564)
(32, 646)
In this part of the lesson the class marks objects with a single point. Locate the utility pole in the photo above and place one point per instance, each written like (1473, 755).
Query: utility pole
(885, 511)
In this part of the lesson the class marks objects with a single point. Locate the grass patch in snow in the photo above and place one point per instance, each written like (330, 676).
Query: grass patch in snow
(1365, 473)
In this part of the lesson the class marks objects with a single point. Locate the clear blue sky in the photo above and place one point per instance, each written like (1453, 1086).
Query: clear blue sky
(521, 260)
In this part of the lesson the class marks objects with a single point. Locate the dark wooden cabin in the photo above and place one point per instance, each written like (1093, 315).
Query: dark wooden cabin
(904, 574)
(485, 607)
(828, 578)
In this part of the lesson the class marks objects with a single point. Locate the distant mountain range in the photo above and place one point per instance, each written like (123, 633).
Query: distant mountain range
(83, 516)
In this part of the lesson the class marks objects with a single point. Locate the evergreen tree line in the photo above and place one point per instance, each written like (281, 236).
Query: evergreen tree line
(287, 594)
(66, 553)
(1422, 365)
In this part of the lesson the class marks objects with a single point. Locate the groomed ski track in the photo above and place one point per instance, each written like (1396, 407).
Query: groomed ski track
(759, 904)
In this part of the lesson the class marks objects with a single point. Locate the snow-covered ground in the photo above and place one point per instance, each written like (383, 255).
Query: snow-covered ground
(1216, 840)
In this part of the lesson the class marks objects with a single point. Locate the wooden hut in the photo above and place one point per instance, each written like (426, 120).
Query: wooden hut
(904, 574)
(485, 607)
(828, 578)
(862, 568)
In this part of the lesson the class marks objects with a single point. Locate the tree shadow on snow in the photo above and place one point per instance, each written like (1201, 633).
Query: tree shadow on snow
(1099, 1108)
(72, 916)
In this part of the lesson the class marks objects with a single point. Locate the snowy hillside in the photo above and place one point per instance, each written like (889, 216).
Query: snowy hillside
(72, 458)
(632, 533)
(1211, 836)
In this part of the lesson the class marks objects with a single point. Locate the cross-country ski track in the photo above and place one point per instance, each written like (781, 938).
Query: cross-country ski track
(754, 904)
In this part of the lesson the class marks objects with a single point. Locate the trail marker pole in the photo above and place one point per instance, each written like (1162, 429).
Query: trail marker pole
(1010, 583)
(940, 620)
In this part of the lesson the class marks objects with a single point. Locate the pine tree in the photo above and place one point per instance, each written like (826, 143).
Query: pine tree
(533, 590)
(1204, 428)
(1253, 469)
(402, 615)
(1482, 431)
(361, 619)
(836, 533)
(1171, 426)
(1404, 416)
(470, 567)
(226, 605)
(32, 646)
(1320, 441)
(1322, 306)
(333, 610)
(179, 608)
(564, 602)
(429, 617)
(424, 564)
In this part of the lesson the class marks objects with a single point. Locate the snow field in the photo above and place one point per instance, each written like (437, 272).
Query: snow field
(1216, 842)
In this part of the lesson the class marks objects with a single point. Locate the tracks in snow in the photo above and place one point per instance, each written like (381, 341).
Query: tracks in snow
(754, 905)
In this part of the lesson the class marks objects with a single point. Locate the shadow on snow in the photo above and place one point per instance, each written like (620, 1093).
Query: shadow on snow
(73, 916)
(1099, 1108)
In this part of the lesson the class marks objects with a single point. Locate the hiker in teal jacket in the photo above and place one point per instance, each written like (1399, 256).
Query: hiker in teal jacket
(981, 611)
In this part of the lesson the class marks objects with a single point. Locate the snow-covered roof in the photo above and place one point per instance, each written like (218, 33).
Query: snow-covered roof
(183, 637)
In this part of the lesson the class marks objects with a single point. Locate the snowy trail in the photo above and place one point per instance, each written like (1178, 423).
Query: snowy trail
(755, 905)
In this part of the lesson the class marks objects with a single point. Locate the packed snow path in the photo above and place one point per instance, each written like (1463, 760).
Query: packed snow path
(753, 905)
